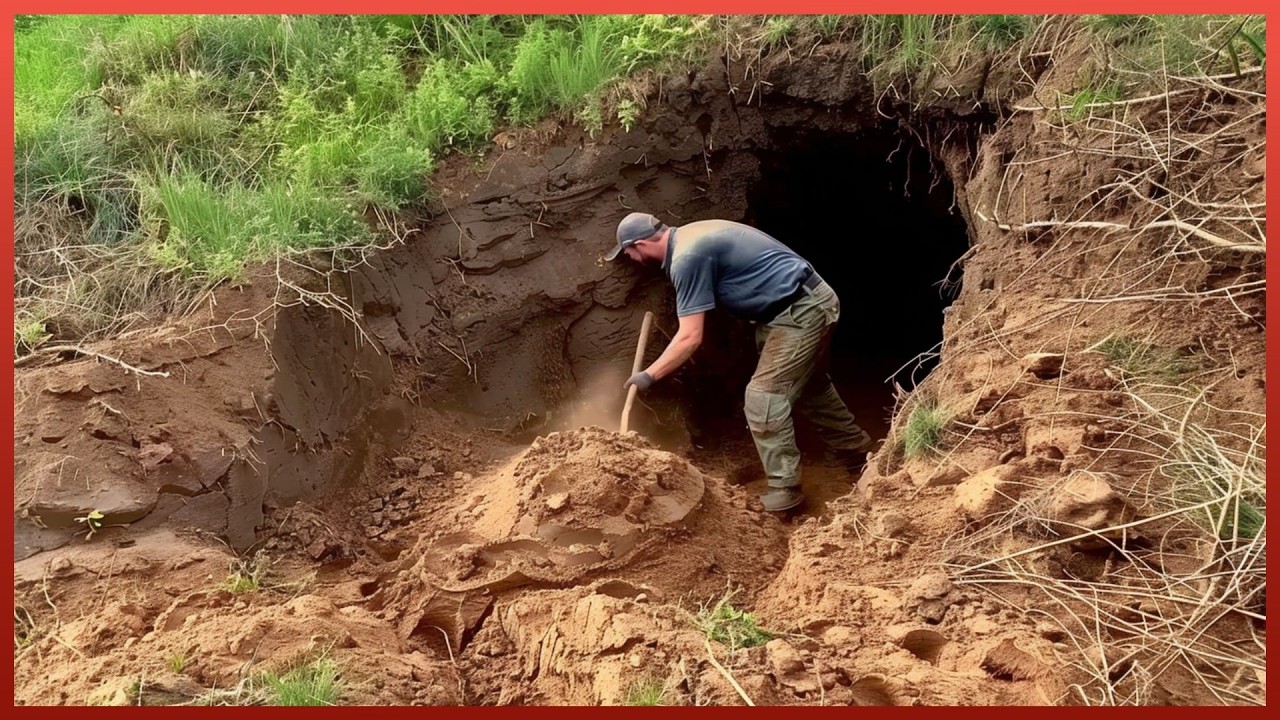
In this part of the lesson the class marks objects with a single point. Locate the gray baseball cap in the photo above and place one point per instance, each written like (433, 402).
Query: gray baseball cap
(635, 226)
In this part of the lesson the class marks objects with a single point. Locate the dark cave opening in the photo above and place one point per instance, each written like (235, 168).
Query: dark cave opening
(875, 215)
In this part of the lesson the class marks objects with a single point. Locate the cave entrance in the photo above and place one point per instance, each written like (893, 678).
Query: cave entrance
(875, 215)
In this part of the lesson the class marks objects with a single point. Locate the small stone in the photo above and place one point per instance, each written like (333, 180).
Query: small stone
(1086, 502)
(1050, 631)
(839, 636)
(894, 525)
(982, 625)
(427, 470)
(1044, 365)
(987, 493)
(783, 657)
(404, 465)
(317, 549)
(635, 660)
(642, 598)
(556, 501)
(930, 596)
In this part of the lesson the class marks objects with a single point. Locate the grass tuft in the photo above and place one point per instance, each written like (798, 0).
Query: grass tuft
(1139, 359)
(923, 431)
(646, 693)
(315, 683)
(725, 624)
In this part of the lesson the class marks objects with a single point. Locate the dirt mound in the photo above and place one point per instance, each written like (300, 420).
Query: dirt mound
(578, 506)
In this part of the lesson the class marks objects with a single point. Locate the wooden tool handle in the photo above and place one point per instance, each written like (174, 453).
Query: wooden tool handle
(635, 368)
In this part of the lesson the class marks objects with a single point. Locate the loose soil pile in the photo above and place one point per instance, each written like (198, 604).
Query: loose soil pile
(416, 499)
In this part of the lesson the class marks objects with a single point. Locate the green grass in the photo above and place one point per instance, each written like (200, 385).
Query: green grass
(28, 334)
(177, 663)
(191, 146)
(777, 29)
(999, 31)
(1141, 49)
(1140, 359)
(830, 25)
(247, 574)
(924, 428)
(896, 43)
(315, 683)
(1089, 100)
(1232, 483)
(647, 693)
(726, 624)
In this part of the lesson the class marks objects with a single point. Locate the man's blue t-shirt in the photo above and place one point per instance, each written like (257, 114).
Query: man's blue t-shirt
(720, 262)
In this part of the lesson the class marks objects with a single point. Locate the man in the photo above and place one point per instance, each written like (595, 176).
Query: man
(722, 263)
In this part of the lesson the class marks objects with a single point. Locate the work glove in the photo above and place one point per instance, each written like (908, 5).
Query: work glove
(642, 380)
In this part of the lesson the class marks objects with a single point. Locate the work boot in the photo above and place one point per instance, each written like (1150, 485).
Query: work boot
(852, 460)
(779, 499)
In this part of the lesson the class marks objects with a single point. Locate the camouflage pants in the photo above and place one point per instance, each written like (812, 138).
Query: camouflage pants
(792, 374)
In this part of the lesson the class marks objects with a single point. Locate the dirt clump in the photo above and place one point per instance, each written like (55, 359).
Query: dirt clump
(577, 506)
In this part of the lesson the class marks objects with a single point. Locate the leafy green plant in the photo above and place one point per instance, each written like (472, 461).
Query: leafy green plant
(392, 169)
(628, 113)
(444, 111)
(29, 335)
(93, 521)
(923, 431)
(735, 628)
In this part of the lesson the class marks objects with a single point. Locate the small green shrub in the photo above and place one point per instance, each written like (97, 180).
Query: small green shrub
(28, 335)
(628, 113)
(735, 628)
(923, 431)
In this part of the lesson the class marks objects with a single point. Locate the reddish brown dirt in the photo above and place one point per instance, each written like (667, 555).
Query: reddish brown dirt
(426, 508)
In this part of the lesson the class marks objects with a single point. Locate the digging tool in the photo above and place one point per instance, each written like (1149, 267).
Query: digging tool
(635, 368)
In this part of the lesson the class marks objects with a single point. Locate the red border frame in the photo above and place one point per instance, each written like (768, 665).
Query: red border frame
(610, 6)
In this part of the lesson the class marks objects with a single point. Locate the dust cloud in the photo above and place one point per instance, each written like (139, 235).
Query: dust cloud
(598, 401)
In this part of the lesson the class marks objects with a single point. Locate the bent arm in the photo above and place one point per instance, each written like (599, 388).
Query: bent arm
(681, 347)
